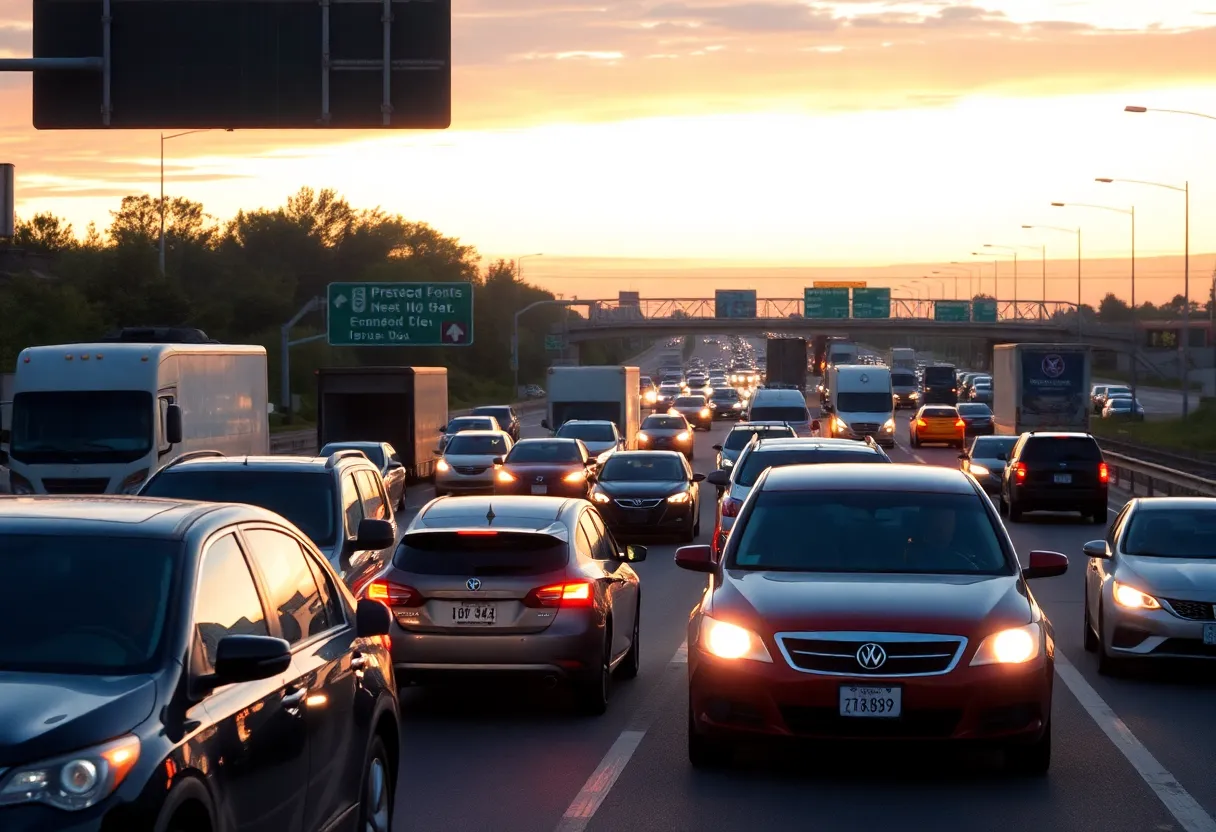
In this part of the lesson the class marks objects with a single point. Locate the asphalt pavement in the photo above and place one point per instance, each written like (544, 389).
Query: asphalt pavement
(1132, 753)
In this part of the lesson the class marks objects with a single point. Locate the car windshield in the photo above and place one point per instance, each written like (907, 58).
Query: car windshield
(1172, 533)
(306, 498)
(863, 402)
(690, 401)
(644, 467)
(480, 555)
(373, 452)
(1118, 391)
(669, 387)
(464, 444)
(779, 413)
(75, 427)
(502, 414)
(939, 376)
(587, 433)
(728, 394)
(974, 410)
(870, 532)
(1061, 449)
(757, 462)
(738, 438)
(132, 577)
(542, 451)
(903, 379)
(665, 423)
(987, 447)
(982, 382)
(459, 425)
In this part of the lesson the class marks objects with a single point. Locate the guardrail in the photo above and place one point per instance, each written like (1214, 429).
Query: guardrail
(1198, 463)
(1147, 479)
(295, 442)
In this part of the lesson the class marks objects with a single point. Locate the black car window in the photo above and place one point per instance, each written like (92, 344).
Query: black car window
(939, 377)
(1061, 449)
(665, 423)
(371, 494)
(645, 467)
(690, 401)
(542, 451)
(939, 412)
(374, 453)
(757, 462)
(504, 415)
(92, 605)
(869, 532)
(974, 410)
(587, 433)
(305, 497)
(863, 402)
(329, 593)
(352, 505)
(1172, 533)
(987, 447)
(480, 555)
(738, 438)
(602, 541)
(290, 587)
(476, 445)
(226, 601)
(903, 379)
(779, 413)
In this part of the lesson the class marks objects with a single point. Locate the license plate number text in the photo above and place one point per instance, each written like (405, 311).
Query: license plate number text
(1063, 479)
(1209, 634)
(540, 489)
(473, 614)
(880, 703)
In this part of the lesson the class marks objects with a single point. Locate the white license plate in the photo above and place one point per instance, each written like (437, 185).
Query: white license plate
(540, 489)
(1209, 633)
(473, 614)
(881, 703)
(1063, 479)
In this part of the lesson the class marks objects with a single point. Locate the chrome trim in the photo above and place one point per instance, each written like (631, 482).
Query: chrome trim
(638, 502)
(876, 637)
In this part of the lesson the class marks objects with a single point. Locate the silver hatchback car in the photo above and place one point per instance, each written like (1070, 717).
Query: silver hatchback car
(514, 586)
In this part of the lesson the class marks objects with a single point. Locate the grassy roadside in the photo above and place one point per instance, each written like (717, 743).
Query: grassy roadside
(1197, 432)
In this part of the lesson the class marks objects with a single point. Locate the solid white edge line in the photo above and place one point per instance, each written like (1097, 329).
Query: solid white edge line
(1185, 809)
(595, 790)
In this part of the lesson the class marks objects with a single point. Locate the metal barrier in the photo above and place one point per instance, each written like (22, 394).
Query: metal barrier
(1197, 462)
(1148, 479)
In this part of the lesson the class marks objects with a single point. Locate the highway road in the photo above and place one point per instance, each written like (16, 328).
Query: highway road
(1158, 402)
(1134, 753)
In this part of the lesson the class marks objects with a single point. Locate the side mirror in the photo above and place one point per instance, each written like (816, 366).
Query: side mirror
(634, 554)
(544, 423)
(1045, 565)
(1096, 549)
(815, 425)
(374, 534)
(372, 619)
(443, 429)
(718, 448)
(719, 478)
(698, 478)
(497, 460)
(696, 559)
(173, 424)
(249, 658)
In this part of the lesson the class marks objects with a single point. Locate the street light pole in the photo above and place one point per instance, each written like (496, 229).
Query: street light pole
(1077, 231)
(163, 139)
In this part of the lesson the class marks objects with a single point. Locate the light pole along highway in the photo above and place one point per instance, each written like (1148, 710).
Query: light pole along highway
(1076, 231)
(163, 139)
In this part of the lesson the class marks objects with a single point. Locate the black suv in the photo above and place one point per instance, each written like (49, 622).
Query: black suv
(325, 497)
(1055, 472)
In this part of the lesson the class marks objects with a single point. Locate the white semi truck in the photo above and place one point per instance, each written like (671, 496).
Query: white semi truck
(610, 393)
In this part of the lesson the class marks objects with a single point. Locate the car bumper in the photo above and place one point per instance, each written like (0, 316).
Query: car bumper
(1059, 498)
(991, 483)
(665, 518)
(453, 481)
(934, 437)
(754, 700)
(980, 430)
(565, 649)
(1158, 634)
(552, 489)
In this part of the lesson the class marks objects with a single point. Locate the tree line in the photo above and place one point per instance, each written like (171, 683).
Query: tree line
(241, 279)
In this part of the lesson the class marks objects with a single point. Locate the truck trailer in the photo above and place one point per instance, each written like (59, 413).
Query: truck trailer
(609, 393)
(1040, 387)
(785, 363)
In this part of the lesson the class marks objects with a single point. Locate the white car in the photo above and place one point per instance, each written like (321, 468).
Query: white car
(599, 435)
(467, 462)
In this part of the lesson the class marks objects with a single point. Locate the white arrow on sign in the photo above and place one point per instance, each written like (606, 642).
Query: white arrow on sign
(455, 333)
(340, 301)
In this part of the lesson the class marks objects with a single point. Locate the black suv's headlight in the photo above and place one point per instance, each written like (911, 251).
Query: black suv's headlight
(73, 781)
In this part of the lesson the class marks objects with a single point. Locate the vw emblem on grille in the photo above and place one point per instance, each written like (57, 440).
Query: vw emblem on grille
(473, 584)
(540, 479)
(632, 502)
(871, 656)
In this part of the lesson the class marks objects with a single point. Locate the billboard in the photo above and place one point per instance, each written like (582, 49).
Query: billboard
(1054, 390)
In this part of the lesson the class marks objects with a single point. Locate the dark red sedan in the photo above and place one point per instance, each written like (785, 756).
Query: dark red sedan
(546, 468)
(905, 616)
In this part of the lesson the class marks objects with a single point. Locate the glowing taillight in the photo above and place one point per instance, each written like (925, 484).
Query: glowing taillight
(960, 424)
(1103, 473)
(573, 594)
(1020, 471)
(921, 423)
(503, 476)
(731, 506)
(393, 595)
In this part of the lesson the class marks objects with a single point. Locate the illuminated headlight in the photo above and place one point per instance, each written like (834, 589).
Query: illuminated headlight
(914, 395)
(600, 497)
(840, 424)
(737, 405)
(888, 425)
(1016, 645)
(1132, 598)
(575, 476)
(730, 641)
(643, 437)
(728, 463)
(651, 397)
(979, 470)
(74, 781)
(442, 467)
(683, 436)
(681, 497)
(705, 413)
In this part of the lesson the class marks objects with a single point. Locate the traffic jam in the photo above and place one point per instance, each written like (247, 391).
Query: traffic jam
(667, 595)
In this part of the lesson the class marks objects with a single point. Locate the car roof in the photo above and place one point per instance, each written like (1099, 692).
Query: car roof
(645, 454)
(536, 440)
(535, 513)
(477, 433)
(868, 477)
(1057, 434)
(478, 416)
(491, 407)
(262, 463)
(587, 422)
(780, 442)
(1174, 503)
(117, 515)
(752, 427)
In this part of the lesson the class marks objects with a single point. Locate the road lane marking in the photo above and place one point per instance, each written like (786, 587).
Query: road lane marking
(595, 791)
(1186, 810)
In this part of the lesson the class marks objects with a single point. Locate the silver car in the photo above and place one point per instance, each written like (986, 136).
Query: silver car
(1150, 590)
(514, 586)
(467, 462)
(986, 458)
(599, 435)
(463, 423)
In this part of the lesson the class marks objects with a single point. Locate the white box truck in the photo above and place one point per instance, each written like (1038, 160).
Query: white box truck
(101, 418)
(1040, 387)
(609, 393)
(861, 404)
(841, 352)
(902, 358)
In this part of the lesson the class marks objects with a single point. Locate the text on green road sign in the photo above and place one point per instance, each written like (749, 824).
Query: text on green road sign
(400, 314)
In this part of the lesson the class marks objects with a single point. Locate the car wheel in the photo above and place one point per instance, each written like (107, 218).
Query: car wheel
(376, 806)
(632, 663)
(1091, 638)
(591, 692)
(1108, 665)
(1002, 506)
(688, 535)
(704, 752)
(1033, 759)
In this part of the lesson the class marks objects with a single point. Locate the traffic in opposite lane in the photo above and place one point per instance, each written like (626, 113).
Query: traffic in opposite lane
(1127, 749)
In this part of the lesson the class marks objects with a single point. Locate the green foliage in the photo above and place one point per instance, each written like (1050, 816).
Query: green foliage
(1195, 433)
(242, 279)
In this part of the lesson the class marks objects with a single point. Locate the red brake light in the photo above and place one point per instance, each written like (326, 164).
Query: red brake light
(477, 532)
(731, 506)
(1103, 473)
(960, 424)
(1020, 471)
(921, 423)
(573, 594)
(393, 595)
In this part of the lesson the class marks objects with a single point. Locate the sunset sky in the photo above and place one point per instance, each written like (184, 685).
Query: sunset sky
(646, 138)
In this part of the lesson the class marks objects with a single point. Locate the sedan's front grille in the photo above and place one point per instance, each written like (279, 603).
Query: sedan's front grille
(76, 486)
(470, 469)
(865, 427)
(1193, 610)
(638, 502)
(871, 654)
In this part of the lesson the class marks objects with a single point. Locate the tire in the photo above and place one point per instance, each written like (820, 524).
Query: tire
(591, 693)
(1001, 506)
(704, 752)
(1108, 665)
(376, 796)
(632, 663)
(1099, 515)
(1091, 638)
(1033, 759)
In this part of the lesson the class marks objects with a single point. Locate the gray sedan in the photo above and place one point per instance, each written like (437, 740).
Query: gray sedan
(1150, 589)
(986, 458)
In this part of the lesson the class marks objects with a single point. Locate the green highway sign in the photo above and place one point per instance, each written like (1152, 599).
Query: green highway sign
(735, 303)
(400, 314)
(871, 303)
(825, 303)
(554, 343)
(985, 311)
(951, 310)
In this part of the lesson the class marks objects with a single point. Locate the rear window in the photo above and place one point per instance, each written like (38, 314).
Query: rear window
(737, 440)
(939, 376)
(480, 555)
(779, 414)
(542, 451)
(1061, 449)
(903, 379)
(664, 423)
(940, 413)
(987, 447)
(758, 462)
(690, 401)
(974, 410)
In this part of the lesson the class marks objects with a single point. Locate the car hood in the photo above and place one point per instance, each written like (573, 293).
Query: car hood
(640, 488)
(597, 447)
(43, 715)
(963, 605)
(1165, 575)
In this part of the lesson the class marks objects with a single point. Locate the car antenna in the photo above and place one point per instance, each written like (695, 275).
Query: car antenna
(490, 515)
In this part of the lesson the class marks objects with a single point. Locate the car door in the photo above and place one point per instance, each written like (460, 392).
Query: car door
(350, 565)
(616, 574)
(394, 475)
(256, 746)
(374, 505)
(324, 668)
